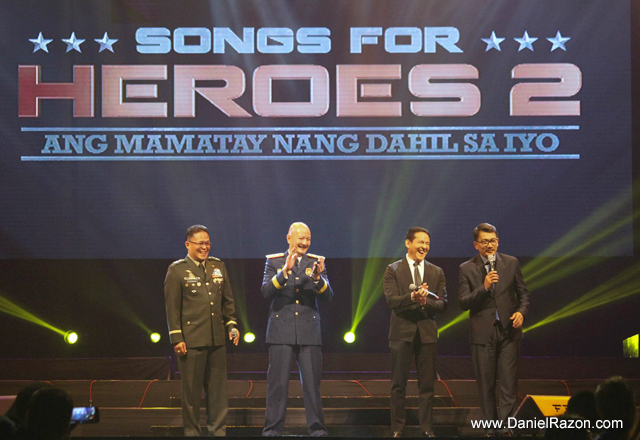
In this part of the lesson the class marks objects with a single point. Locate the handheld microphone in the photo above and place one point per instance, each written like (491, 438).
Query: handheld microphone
(416, 288)
(492, 261)
(492, 265)
(315, 270)
(234, 332)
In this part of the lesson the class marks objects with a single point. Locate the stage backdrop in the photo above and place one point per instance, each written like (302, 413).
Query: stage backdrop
(125, 122)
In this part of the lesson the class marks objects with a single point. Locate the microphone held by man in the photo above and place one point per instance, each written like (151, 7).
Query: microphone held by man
(422, 291)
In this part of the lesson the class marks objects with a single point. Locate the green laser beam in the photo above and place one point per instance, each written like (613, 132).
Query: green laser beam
(619, 287)
(541, 265)
(239, 288)
(568, 266)
(458, 319)
(368, 289)
(13, 309)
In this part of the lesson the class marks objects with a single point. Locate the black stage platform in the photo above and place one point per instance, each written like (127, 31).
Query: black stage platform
(355, 391)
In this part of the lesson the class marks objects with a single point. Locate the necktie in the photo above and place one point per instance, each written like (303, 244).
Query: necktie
(416, 274)
(493, 290)
(204, 269)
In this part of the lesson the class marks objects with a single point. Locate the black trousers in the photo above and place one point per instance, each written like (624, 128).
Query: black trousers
(402, 355)
(204, 367)
(497, 360)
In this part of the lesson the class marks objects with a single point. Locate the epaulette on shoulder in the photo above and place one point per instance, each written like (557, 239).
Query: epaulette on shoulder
(182, 260)
(281, 254)
(317, 257)
(215, 259)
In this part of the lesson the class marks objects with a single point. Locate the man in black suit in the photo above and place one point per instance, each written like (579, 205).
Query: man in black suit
(492, 288)
(413, 333)
(200, 314)
(295, 281)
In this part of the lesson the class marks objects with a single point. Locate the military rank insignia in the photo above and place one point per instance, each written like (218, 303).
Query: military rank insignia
(308, 271)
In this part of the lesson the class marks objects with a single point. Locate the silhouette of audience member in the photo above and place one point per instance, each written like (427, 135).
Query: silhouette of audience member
(49, 415)
(557, 433)
(615, 401)
(14, 419)
(583, 404)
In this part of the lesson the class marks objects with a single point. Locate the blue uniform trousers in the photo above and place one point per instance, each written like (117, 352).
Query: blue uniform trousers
(309, 359)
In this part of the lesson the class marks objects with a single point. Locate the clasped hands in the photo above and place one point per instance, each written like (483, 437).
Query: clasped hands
(420, 295)
(291, 261)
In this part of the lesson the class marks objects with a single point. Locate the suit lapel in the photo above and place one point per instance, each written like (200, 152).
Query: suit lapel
(404, 274)
(480, 271)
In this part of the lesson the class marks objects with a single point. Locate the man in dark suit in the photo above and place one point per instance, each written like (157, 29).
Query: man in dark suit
(413, 332)
(492, 288)
(200, 314)
(294, 281)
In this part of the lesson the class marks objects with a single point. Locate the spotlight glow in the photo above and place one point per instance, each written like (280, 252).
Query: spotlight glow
(350, 337)
(249, 338)
(155, 337)
(622, 285)
(13, 309)
(70, 337)
(458, 319)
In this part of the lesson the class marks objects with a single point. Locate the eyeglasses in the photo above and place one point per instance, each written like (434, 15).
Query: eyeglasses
(493, 241)
(206, 244)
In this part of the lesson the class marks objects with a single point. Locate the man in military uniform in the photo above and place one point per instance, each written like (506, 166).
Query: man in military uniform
(201, 314)
(294, 281)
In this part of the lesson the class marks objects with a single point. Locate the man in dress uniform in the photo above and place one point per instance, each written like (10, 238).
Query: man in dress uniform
(294, 281)
(201, 315)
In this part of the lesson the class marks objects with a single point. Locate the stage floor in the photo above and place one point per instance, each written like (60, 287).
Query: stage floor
(355, 393)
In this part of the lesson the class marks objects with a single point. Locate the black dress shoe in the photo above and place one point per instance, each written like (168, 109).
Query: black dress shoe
(428, 434)
(398, 434)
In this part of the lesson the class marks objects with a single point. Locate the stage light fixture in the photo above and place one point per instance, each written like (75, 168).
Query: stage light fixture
(70, 337)
(630, 347)
(249, 337)
(155, 337)
(350, 337)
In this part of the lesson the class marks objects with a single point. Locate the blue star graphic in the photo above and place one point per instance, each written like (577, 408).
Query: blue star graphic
(558, 42)
(106, 42)
(493, 42)
(73, 43)
(526, 42)
(40, 43)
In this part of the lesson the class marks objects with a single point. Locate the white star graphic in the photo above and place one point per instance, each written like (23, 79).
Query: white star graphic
(40, 43)
(493, 42)
(106, 42)
(558, 42)
(73, 43)
(526, 42)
